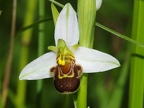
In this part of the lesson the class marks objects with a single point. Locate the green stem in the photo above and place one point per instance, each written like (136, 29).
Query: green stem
(26, 39)
(82, 92)
(41, 28)
(86, 20)
(41, 37)
(137, 74)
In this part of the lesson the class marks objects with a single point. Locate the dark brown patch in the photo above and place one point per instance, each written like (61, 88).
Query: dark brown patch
(66, 85)
(66, 78)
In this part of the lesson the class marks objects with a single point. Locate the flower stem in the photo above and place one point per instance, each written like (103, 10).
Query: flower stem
(86, 20)
(82, 92)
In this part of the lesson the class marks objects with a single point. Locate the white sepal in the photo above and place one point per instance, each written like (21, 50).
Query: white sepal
(94, 61)
(98, 4)
(39, 68)
(67, 26)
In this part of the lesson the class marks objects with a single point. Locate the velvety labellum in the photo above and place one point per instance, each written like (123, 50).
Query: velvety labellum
(66, 77)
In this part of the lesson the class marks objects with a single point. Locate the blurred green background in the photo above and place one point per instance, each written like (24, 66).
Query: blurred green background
(105, 90)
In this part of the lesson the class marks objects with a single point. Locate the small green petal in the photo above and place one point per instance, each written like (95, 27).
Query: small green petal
(55, 13)
(74, 47)
(52, 48)
(62, 48)
(94, 61)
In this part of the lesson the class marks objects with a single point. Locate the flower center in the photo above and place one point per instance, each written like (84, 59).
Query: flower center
(66, 58)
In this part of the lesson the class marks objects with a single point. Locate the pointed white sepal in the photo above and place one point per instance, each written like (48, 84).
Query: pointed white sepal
(67, 26)
(94, 61)
(98, 4)
(39, 68)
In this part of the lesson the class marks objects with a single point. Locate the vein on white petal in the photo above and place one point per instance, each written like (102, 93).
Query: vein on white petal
(39, 68)
(67, 26)
(94, 61)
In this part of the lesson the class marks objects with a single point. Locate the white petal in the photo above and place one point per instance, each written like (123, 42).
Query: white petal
(39, 68)
(67, 26)
(94, 61)
(98, 4)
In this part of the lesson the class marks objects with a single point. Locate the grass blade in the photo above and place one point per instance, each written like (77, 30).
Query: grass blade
(119, 35)
(137, 73)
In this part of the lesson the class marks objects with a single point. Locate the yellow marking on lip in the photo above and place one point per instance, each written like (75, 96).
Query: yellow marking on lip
(62, 52)
(61, 61)
(61, 75)
(66, 76)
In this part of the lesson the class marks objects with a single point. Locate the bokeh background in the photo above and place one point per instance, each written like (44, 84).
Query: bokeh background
(105, 90)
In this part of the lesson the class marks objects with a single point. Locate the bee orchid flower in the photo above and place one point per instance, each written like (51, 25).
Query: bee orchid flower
(68, 60)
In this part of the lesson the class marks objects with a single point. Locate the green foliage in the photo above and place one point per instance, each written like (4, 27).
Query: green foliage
(137, 74)
(105, 90)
